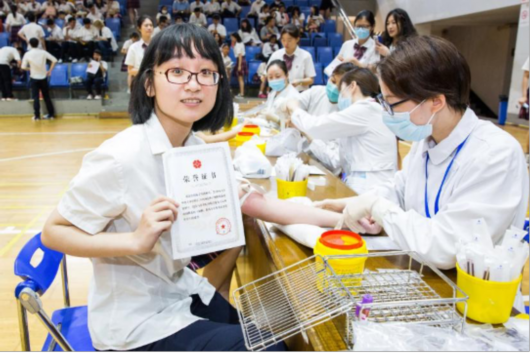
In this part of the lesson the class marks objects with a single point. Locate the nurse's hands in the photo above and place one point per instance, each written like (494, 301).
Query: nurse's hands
(370, 226)
(358, 208)
(335, 205)
(156, 219)
(291, 106)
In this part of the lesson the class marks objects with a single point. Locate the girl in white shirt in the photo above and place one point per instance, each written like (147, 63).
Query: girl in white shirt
(281, 90)
(398, 27)
(270, 47)
(135, 53)
(361, 51)
(163, 12)
(212, 7)
(140, 298)
(368, 149)
(248, 34)
(298, 18)
(241, 68)
(14, 22)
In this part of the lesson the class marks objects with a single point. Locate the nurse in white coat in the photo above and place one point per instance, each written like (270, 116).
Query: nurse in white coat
(282, 90)
(367, 147)
(460, 168)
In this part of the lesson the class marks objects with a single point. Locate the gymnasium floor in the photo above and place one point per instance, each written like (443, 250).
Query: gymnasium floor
(37, 161)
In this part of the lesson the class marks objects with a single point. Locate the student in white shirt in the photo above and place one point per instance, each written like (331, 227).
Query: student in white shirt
(240, 67)
(297, 18)
(163, 22)
(135, 54)
(140, 297)
(255, 8)
(70, 48)
(14, 22)
(32, 30)
(7, 55)
(197, 18)
(96, 79)
(398, 27)
(133, 38)
(269, 30)
(66, 7)
(105, 39)
(217, 27)
(196, 4)
(227, 60)
(264, 14)
(30, 6)
(230, 8)
(460, 168)
(281, 90)
(94, 14)
(34, 61)
(55, 39)
(163, 12)
(248, 34)
(212, 7)
(368, 149)
(270, 47)
(361, 51)
(86, 37)
(299, 62)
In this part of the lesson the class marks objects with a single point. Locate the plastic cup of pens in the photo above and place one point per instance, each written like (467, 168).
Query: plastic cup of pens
(490, 275)
(288, 189)
(291, 177)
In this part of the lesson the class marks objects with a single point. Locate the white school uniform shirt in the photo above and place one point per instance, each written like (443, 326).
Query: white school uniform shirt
(303, 66)
(526, 64)
(30, 7)
(107, 33)
(247, 37)
(135, 54)
(368, 149)
(127, 44)
(16, 20)
(232, 7)
(370, 56)
(133, 300)
(268, 49)
(67, 7)
(8, 54)
(275, 99)
(33, 30)
(72, 33)
(199, 21)
(239, 49)
(211, 8)
(35, 59)
(160, 14)
(219, 28)
(86, 34)
(95, 16)
(193, 5)
(156, 31)
(256, 6)
(488, 179)
(56, 33)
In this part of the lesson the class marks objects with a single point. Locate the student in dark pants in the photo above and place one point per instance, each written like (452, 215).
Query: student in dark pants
(34, 61)
(7, 55)
(97, 79)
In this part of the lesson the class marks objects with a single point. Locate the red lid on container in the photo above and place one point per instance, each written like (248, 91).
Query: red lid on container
(245, 133)
(252, 126)
(341, 239)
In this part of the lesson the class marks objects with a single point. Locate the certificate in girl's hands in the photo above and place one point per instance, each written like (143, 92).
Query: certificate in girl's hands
(201, 179)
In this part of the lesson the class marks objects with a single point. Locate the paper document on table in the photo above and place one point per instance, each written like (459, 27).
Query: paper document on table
(378, 242)
(201, 179)
(93, 67)
(331, 67)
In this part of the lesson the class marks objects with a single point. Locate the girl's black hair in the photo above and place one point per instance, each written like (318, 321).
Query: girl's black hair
(296, 9)
(175, 42)
(281, 64)
(368, 16)
(366, 80)
(140, 21)
(405, 26)
(343, 68)
(237, 37)
(291, 30)
(249, 26)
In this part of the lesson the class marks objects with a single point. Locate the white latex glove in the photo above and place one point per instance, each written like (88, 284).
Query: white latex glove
(363, 206)
(370, 226)
(331, 204)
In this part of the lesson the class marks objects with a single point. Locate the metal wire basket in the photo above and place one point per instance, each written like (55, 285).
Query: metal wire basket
(310, 292)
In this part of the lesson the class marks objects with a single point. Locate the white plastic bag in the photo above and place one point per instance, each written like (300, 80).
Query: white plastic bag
(288, 141)
(251, 163)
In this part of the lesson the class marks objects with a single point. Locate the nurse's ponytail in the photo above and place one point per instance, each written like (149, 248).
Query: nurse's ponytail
(364, 78)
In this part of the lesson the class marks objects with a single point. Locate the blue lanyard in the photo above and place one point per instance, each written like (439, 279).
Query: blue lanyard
(436, 202)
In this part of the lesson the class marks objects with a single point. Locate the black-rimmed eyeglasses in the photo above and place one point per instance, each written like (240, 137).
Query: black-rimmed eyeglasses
(389, 108)
(180, 76)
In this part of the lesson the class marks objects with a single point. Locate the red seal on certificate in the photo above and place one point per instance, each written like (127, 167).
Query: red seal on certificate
(197, 164)
(223, 226)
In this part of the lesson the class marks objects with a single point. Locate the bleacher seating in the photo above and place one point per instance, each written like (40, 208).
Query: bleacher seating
(252, 71)
(311, 51)
(115, 26)
(325, 55)
(4, 39)
(319, 79)
(335, 39)
(251, 53)
(231, 24)
(330, 26)
(59, 77)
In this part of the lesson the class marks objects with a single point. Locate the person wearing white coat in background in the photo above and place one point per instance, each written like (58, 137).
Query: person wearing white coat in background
(368, 150)
(460, 168)
(281, 90)
(319, 101)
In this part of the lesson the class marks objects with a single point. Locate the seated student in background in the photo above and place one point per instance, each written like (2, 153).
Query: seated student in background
(263, 15)
(281, 89)
(367, 148)
(163, 22)
(218, 39)
(255, 8)
(227, 60)
(230, 9)
(181, 8)
(283, 17)
(196, 4)
(398, 27)
(460, 168)
(163, 12)
(30, 6)
(48, 10)
(361, 51)
(14, 22)
(240, 67)
(105, 39)
(96, 71)
(248, 34)
(212, 7)
(94, 14)
(299, 62)
(70, 48)
(298, 18)
(55, 39)
(198, 18)
(133, 38)
(270, 47)
(66, 6)
(269, 30)
(86, 36)
(217, 27)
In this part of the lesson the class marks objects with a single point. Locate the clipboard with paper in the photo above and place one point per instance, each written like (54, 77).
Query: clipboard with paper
(201, 179)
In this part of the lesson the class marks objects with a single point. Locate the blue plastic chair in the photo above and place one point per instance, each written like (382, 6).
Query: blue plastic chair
(252, 71)
(288, 3)
(22, 84)
(68, 329)
(78, 70)
(231, 24)
(320, 42)
(319, 79)
(114, 25)
(325, 56)
(232, 56)
(526, 227)
(80, 21)
(316, 3)
(42, 21)
(311, 51)
(302, 3)
(317, 35)
(251, 52)
(335, 39)
(244, 11)
(252, 21)
(330, 26)
(306, 10)
(305, 42)
(59, 77)
(4, 39)
(336, 51)
(164, 2)
(59, 23)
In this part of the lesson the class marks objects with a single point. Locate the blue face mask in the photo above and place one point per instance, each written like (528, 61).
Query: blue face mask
(277, 85)
(333, 92)
(405, 129)
(344, 103)
(362, 33)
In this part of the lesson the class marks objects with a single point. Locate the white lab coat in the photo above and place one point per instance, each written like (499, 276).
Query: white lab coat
(488, 179)
(368, 149)
(275, 99)
(315, 101)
